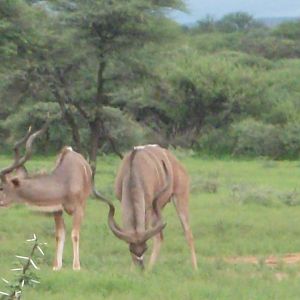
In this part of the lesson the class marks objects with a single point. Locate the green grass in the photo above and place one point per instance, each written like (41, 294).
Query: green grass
(254, 209)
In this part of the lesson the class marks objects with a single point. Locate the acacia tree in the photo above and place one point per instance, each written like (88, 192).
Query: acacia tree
(89, 57)
(237, 22)
(108, 36)
(21, 38)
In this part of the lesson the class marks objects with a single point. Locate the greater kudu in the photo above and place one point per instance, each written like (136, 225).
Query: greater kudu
(148, 178)
(66, 188)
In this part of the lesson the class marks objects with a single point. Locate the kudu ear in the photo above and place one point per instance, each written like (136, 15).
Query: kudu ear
(15, 182)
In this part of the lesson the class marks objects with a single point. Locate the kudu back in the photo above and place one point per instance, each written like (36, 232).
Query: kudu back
(66, 188)
(148, 178)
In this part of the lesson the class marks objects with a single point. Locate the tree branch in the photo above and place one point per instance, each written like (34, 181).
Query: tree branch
(68, 116)
(83, 113)
(113, 145)
(110, 139)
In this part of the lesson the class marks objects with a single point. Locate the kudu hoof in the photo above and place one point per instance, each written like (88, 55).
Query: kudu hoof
(76, 268)
(55, 268)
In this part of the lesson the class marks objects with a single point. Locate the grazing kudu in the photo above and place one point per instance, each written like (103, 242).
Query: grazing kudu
(148, 178)
(66, 188)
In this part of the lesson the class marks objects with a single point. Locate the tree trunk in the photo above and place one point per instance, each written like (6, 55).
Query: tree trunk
(69, 118)
(75, 130)
(94, 144)
(97, 128)
(95, 125)
(100, 97)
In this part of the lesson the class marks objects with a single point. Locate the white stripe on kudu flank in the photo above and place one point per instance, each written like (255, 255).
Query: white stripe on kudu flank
(87, 171)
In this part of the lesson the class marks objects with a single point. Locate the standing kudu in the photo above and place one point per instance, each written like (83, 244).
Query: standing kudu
(66, 188)
(148, 178)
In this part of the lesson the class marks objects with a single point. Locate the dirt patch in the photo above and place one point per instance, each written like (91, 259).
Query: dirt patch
(272, 260)
(281, 276)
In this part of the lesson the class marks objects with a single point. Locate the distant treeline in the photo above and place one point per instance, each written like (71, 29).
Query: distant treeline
(115, 74)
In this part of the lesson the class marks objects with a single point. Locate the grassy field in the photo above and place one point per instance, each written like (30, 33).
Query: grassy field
(238, 208)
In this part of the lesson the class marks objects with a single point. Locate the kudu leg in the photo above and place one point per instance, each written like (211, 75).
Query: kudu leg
(60, 233)
(157, 241)
(77, 217)
(181, 205)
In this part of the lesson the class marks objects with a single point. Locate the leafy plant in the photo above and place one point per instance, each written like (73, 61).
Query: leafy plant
(26, 275)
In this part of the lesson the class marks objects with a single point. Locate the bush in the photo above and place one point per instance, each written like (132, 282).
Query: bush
(238, 21)
(216, 141)
(255, 138)
(290, 139)
(16, 125)
(125, 131)
(270, 47)
(205, 184)
(290, 30)
(243, 194)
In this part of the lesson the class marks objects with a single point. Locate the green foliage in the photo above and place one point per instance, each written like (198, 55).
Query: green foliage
(289, 30)
(216, 141)
(34, 115)
(255, 138)
(107, 60)
(128, 133)
(123, 72)
(207, 24)
(25, 273)
(19, 37)
(289, 137)
(270, 47)
(214, 91)
(251, 138)
(238, 21)
(232, 22)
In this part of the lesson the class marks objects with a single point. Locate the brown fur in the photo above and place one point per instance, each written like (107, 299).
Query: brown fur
(66, 188)
(61, 155)
(140, 178)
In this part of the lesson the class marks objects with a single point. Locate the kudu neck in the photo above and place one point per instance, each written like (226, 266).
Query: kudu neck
(133, 204)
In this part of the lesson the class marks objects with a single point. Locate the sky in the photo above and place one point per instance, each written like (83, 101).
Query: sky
(257, 8)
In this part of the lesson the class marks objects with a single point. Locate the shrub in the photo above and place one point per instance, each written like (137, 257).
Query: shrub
(205, 185)
(270, 47)
(127, 133)
(290, 139)
(291, 198)
(244, 194)
(255, 138)
(216, 141)
(16, 125)
(290, 30)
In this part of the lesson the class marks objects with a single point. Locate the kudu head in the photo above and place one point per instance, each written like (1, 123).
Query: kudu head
(12, 175)
(137, 241)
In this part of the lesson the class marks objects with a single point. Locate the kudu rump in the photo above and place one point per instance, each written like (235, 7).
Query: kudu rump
(148, 178)
(66, 188)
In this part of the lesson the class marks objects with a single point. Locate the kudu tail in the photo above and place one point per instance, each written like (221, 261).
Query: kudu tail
(115, 228)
